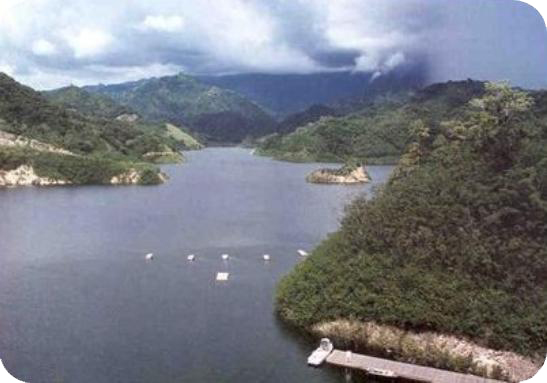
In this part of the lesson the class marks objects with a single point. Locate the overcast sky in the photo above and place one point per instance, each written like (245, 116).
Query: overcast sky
(52, 43)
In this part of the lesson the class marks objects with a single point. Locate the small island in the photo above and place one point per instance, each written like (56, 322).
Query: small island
(347, 174)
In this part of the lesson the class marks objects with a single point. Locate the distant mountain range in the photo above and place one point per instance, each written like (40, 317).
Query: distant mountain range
(285, 94)
(231, 108)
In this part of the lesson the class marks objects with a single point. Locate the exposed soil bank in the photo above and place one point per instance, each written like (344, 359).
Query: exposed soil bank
(428, 348)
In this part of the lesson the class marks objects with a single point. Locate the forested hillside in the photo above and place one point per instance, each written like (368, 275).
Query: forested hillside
(100, 106)
(87, 103)
(217, 114)
(27, 114)
(455, 242)
(379, 132)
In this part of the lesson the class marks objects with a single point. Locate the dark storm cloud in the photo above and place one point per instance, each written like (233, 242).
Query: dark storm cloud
(49, 43)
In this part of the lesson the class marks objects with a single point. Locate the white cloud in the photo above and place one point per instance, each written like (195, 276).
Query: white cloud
(394, 61)
(163, 23)
(7, 69)
(233, 36)
(42, 47)
(366, 63)
(88, 42)
(92, 74)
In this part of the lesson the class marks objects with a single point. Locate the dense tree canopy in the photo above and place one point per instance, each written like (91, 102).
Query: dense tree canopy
(456, 240)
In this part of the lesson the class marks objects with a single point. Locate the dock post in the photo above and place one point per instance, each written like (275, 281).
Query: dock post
(347, 374)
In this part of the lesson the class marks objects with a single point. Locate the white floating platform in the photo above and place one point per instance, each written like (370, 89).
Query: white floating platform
(266, 257)
(225, 257)
(191, 257)
(149, 256)
(222, 276)
(302, 253)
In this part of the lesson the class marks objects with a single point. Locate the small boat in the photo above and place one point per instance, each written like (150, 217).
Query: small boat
(266, 257)
(149, 256)
(302, 253)
(320, 354)
(191, 257)
(222, 276)
(225, 257)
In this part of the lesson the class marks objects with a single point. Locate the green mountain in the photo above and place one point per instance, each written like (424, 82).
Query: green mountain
(101, 106)
(217, 114)
(65, 143)
(378, 132)
(87, 103)
(454, 243)
(309, 115)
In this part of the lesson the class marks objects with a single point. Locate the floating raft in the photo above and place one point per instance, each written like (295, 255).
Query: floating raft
(388, 368)
(222, 276)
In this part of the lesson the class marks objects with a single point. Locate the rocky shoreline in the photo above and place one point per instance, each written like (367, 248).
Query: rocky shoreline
(339, 176)
(429, 348)
(25, 175)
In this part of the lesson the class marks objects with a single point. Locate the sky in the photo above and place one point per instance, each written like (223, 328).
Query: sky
(53, 43)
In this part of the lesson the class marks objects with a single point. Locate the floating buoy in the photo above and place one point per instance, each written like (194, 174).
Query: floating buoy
(303, 253)
(191, 257)
(222, 276)
(225, 257)
(266, 257)
(149, 256)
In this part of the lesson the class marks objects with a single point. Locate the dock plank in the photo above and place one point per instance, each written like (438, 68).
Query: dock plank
(402, 370)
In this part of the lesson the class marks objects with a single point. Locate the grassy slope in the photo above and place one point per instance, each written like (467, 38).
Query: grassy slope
(180, 135)
(454, 243)
(378, 133)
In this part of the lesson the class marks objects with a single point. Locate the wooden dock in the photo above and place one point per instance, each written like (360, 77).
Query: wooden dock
(393, 370)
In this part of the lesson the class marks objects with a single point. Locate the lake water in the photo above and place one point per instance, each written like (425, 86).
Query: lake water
(78, 302)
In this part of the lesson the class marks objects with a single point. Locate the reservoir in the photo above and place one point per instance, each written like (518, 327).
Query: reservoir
(79, 302)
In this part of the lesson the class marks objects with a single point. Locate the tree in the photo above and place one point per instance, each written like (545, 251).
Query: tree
(497, 129)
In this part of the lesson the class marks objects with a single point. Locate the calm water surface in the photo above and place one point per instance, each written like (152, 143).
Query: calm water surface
(78, 302)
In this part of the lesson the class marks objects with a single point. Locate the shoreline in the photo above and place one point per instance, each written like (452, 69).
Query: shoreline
(25, 175)
(429, 349)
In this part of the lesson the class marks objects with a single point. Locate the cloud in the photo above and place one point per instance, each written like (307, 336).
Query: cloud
(7, 69)
(163, 23)
(43, 47)
(395, 60)
(54, 42)
(88, 42)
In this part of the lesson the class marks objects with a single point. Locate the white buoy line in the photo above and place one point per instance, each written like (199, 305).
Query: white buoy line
(225, 257)
(223, 276)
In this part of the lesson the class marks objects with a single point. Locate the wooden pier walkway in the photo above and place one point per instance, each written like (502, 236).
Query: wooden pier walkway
(392, 369)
